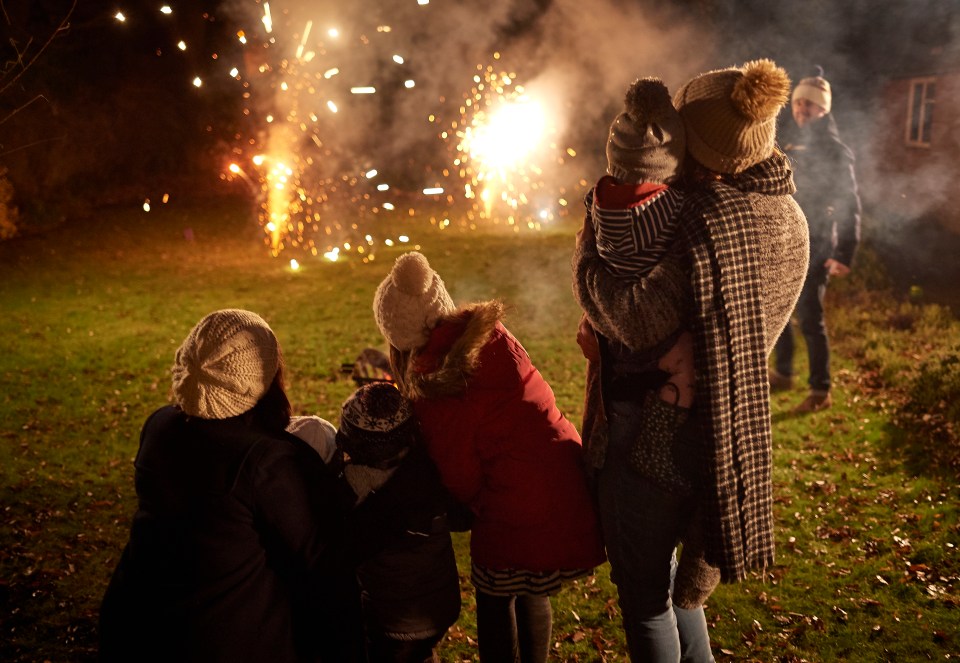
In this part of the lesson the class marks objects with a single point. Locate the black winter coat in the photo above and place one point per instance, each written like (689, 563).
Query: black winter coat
(408, 577)
(826, 189)
(234, 551)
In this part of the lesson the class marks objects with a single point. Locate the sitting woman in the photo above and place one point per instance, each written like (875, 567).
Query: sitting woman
(235, 550)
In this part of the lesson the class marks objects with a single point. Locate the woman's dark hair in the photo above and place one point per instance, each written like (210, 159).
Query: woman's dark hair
(400, 363)
(695, 173)
(272, 412)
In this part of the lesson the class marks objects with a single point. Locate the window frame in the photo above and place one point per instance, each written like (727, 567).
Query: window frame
(925, 107)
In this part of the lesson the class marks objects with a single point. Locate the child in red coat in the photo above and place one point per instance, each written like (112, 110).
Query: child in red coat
(491, 425)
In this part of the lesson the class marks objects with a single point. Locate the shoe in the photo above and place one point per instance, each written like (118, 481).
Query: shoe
(816, 401)
(779, 381)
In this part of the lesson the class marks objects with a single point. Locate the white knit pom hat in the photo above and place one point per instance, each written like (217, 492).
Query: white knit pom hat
(409, 301)
(814, 88)
(225, 365)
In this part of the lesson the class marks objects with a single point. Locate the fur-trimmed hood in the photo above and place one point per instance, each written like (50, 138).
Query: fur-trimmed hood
(452, 355)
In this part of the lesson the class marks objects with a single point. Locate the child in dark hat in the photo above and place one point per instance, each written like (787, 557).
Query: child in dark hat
(408, 578)
(634, 212)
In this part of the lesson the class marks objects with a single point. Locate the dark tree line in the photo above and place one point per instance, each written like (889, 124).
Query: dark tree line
(94, 110)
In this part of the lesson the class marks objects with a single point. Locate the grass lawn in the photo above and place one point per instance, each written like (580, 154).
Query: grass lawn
(867, 525)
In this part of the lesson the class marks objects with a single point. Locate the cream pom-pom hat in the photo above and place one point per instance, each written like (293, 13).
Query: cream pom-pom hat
(409, 301)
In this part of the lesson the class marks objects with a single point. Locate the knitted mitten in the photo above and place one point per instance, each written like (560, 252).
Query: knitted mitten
(695, 579)
(365, 480)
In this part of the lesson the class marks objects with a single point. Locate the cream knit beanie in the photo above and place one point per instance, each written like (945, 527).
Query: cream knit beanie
(225, 365)
(816, 89)
(731, 114)
(409, 301)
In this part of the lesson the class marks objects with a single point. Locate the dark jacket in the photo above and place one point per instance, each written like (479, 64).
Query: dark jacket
(408, 580)
(826, 189)
(234, 548)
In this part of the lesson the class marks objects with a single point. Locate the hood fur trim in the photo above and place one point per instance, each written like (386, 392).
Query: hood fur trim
(462, 360)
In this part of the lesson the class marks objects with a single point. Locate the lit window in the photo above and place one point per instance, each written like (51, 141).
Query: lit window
(923, 93)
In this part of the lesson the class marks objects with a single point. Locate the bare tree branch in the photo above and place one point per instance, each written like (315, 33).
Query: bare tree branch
(54, 139)
(53, 35)
(17, 110)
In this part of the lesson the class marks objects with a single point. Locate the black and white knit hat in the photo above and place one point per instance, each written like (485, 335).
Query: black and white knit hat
(376, 426)
(647, 140)
(225, 365)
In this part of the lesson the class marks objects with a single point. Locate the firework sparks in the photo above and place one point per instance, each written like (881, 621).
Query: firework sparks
(323, 189)
(316, 194)
(503, 142)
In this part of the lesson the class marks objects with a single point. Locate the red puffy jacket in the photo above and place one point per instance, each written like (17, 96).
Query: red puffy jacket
(493, 429)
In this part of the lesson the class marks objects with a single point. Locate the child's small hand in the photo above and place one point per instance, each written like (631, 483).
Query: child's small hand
(587, 340)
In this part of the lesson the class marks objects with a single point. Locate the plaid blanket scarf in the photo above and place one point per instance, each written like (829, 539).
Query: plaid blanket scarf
(732, 367)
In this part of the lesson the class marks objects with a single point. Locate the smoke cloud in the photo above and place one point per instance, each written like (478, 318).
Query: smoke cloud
(576, 58)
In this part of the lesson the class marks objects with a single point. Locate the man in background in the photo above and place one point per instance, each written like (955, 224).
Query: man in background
(827, 194)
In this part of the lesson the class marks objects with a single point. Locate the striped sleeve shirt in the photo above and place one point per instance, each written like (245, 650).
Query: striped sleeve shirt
(631, 239)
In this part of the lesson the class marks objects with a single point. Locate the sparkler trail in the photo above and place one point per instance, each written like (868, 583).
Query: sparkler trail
(318, 192)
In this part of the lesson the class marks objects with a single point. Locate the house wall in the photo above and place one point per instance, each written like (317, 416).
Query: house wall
(914, 182)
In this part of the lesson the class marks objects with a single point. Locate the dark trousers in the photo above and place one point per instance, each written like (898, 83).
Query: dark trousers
(809, 315)
(513, 629)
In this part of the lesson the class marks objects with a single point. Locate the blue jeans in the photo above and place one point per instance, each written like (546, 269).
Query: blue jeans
(642, 525)
(809, 313)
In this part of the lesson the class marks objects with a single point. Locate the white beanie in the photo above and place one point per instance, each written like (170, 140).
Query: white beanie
(409, 301)
(225, 365)
(816, 89)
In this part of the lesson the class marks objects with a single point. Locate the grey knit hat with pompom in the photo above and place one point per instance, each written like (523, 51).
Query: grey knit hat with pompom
(647, 140)
(225, 365)
(409, 301)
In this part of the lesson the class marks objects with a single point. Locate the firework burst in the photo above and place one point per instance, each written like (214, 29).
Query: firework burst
(318, 148)
(506, 154)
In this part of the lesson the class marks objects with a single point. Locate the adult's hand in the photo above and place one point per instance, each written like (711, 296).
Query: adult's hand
(836, 268)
